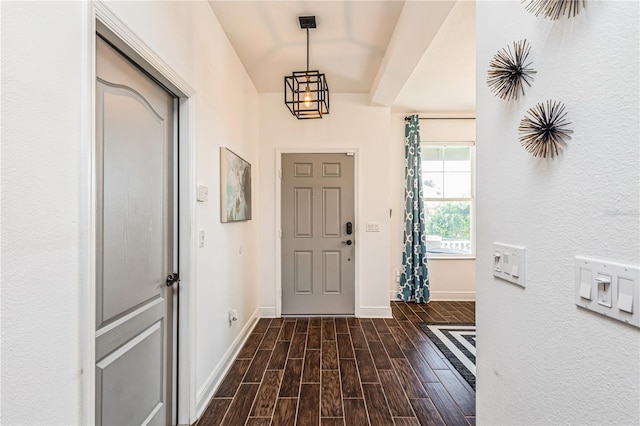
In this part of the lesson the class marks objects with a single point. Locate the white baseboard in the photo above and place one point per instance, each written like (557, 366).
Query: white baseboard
(443, 295)
(375, 312)
(206, 392)
(267, 312)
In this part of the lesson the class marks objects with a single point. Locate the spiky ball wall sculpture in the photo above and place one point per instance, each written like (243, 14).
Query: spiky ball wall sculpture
(508, 70)
(544, 130)
(553, 9)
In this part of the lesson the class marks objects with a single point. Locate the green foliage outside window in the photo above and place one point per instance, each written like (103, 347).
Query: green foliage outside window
(450, 220)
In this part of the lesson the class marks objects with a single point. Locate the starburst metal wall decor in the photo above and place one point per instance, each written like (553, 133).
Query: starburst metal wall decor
(553, 9)
(510, 70)
(545, 130)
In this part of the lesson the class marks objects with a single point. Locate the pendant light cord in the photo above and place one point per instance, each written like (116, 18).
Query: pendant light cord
(307, 49)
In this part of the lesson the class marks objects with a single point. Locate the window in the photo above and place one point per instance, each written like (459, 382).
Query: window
(448, 188)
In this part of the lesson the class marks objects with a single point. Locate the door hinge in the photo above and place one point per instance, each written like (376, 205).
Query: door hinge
(280, 233)
(280, 174)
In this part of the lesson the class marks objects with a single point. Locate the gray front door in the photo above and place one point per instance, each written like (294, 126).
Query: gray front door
(135, 244)
(318, 264)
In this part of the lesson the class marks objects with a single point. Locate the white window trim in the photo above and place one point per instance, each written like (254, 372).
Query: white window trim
(472, 255)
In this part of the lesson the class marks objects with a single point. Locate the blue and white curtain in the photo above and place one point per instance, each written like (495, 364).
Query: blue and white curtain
(414, 279)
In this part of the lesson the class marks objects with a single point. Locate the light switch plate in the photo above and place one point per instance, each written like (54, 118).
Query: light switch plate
(509, 263)
(203, 193)
(373, 226)
(608, 288)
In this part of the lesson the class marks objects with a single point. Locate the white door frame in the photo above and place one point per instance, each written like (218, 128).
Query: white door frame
(117, 32)
(356, 201)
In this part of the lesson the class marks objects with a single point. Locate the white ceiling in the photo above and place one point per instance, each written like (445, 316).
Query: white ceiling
(411, 56)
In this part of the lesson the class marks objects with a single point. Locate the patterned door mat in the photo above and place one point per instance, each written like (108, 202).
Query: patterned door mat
(457, 341)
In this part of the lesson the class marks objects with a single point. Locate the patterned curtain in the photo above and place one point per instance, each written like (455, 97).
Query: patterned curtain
(414, 280)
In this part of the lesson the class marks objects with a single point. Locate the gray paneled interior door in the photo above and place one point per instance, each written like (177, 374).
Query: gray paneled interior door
(135, 244)
(318, 264)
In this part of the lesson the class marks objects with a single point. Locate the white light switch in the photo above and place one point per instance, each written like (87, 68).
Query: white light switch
(509, 262)
(585, 283)
(608, 288)
(625, 294)
(201, 239)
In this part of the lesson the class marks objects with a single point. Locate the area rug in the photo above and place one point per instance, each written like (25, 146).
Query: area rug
(457, 341)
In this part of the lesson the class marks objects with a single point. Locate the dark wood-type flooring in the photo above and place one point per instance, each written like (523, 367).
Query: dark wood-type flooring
(346, 371)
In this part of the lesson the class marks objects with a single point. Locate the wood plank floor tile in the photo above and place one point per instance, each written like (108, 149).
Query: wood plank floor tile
(266, 398)
(461, 394)
(232, 380)
(329, 355)
(399, 405)
(269, 341)
(276, 322)
(262, 325)
(380, 357)
(350, 379)
(215, 412)
(405, 421)
(239, 409)
(285, 412)
(341, 325)
(331, 403)
(258, 421)
(345, 349)
(391, 346)
(311, 372)
(408, 379)
(313, 339)
(446, 406)
(420, 367)
(332, 421)
(376, 405)
(290, 386)
(302, 324)
(380, 325)
(370, 332)
(279, 356)
(250, 346)
(328, 329)
(357, 338)
(286, 332)
(355, 412)
(257, 367)
(432, 355)
(346, 371)
(308, 413)
(366, 367)
(401, 338)
(426, 412)
(298, 344)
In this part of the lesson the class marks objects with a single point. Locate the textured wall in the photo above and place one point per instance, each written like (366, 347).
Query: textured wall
(41, 257)
(541, 360)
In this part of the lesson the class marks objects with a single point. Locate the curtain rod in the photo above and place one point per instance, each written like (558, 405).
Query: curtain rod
(407, 118)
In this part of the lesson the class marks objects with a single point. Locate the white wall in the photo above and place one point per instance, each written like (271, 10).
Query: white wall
(43, 198)
(449, 279)
(354, 124)
(42, 260)
(542, 360)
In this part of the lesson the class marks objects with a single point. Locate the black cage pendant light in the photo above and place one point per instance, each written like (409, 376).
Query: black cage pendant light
(306, 93)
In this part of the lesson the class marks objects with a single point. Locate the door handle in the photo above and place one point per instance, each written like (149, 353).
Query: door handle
(172, 279)
(348, 242)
